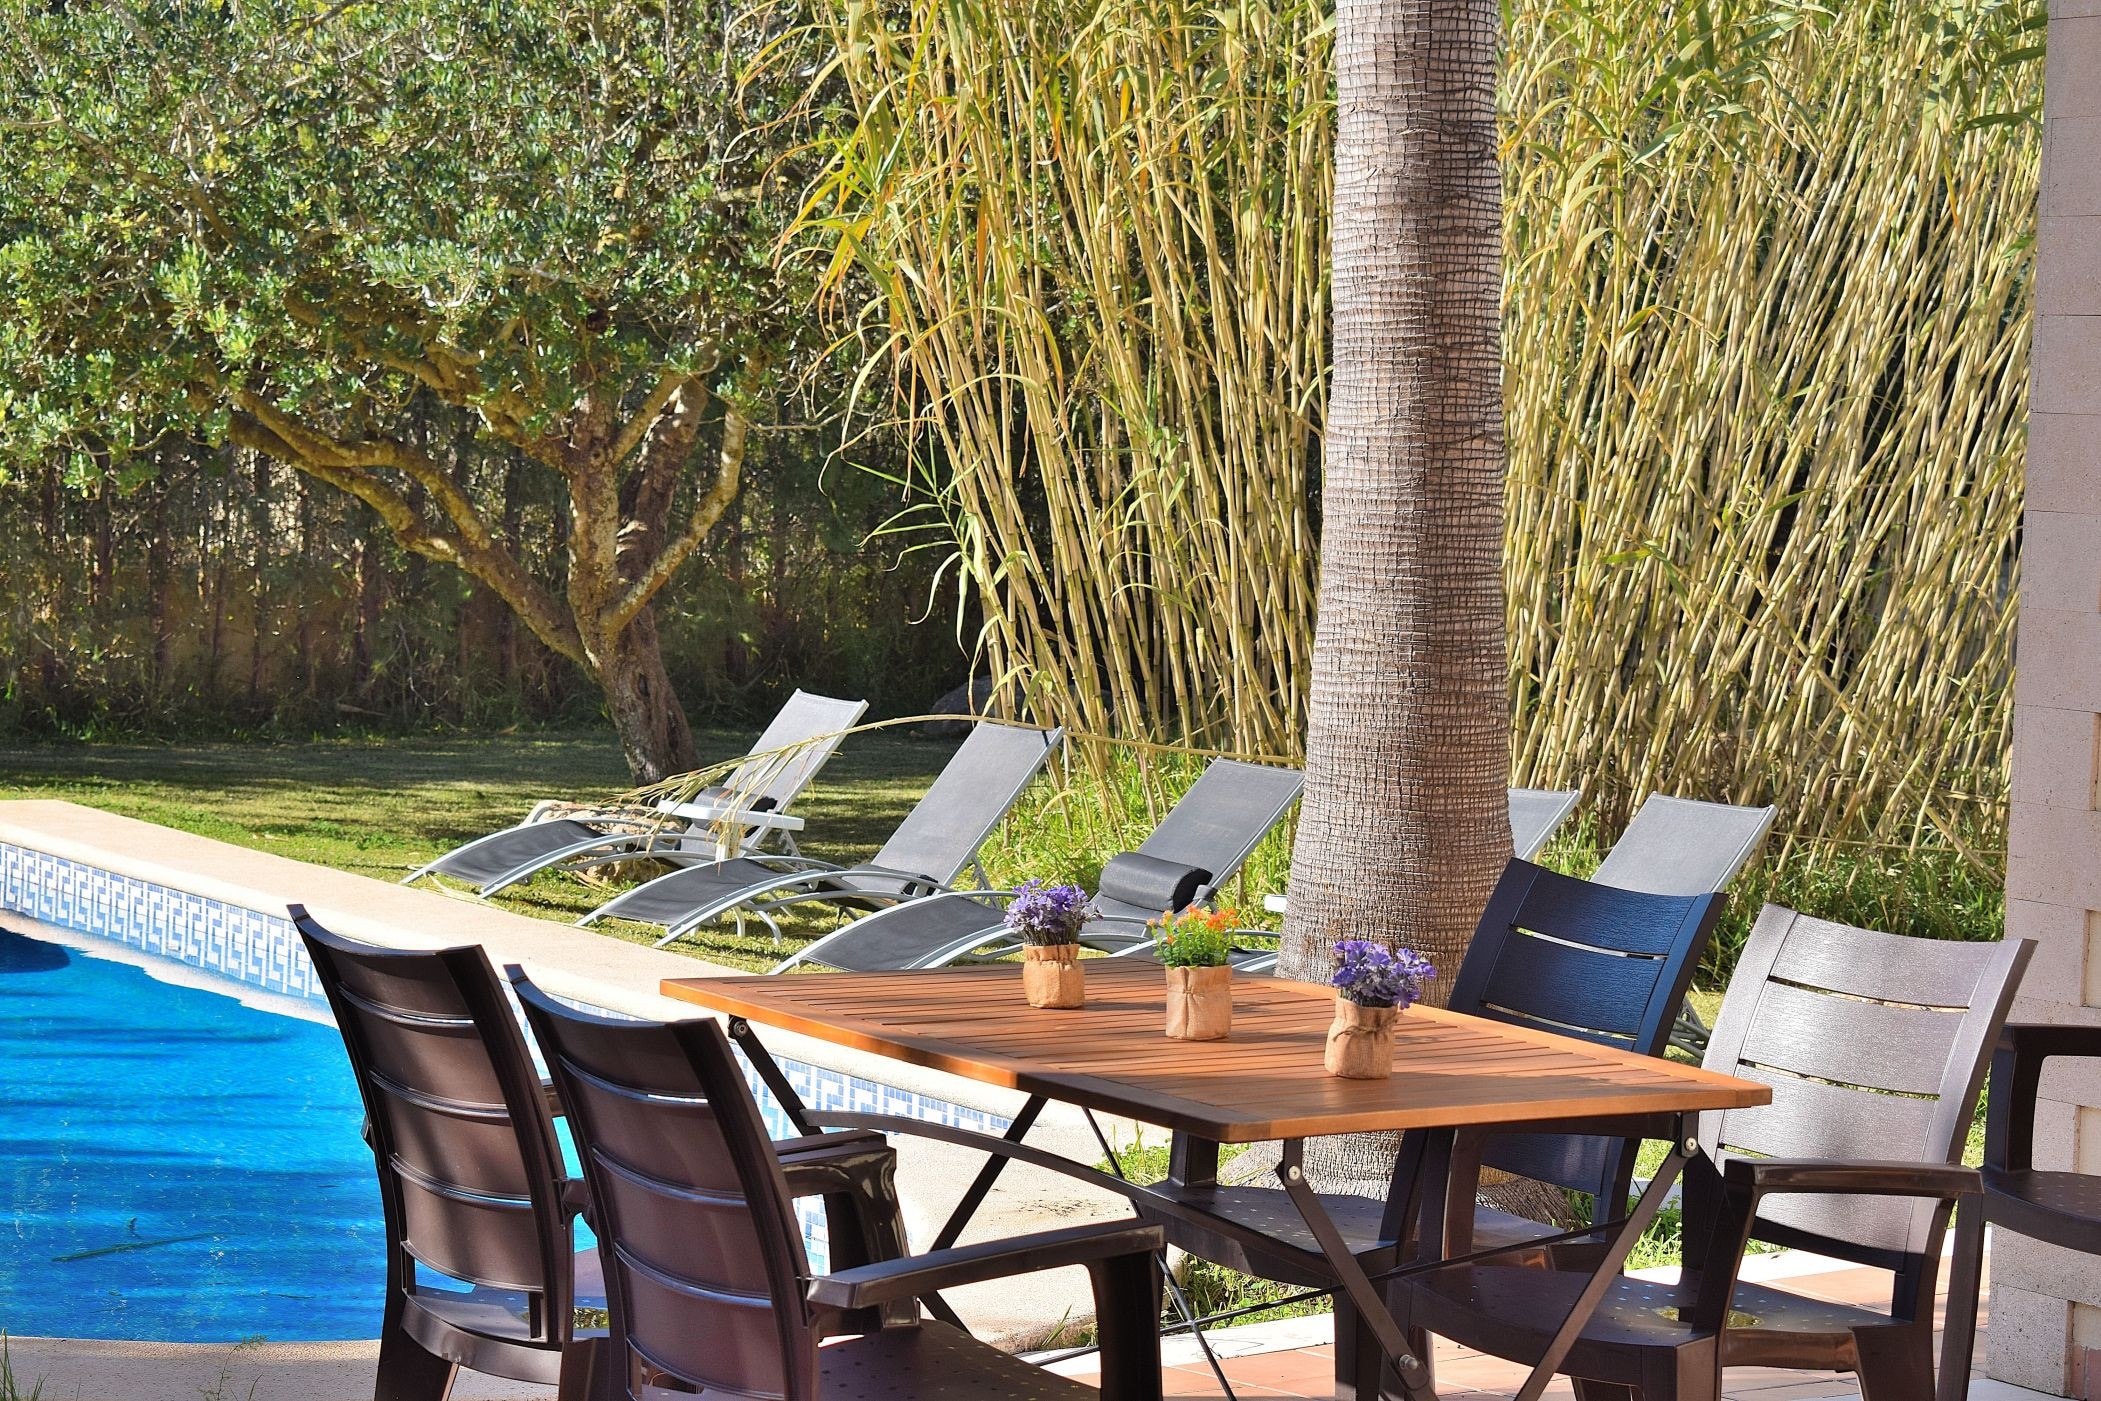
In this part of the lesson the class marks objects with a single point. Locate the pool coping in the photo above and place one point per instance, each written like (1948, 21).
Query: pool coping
(575, 963)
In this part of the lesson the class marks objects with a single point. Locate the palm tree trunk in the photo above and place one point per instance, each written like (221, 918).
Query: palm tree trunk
(1405, 824)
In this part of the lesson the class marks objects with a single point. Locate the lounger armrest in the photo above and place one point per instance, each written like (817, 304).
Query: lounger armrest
(1854, 1177)
(886, 1281)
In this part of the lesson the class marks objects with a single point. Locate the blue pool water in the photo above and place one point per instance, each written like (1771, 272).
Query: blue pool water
(175, 1164)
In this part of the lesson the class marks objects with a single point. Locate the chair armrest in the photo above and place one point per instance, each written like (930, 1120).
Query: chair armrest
(2017, 1074)
(2042, 1041)
(1854, 1177)
(890, 1280)
(840, 1141)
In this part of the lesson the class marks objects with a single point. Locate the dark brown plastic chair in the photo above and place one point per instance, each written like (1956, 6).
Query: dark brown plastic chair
(2063, 1208)
(470, 1172)
(707, 1284)
(1875, 1046)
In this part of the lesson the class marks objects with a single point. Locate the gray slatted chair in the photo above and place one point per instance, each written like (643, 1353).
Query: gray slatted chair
(707, 1285)
(801, 739)
(1875, 1047)
(937, 839)
(1197, 848)
(471, 1179)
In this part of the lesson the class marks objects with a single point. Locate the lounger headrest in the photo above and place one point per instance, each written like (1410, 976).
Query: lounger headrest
(724, 797)
(1151, 883)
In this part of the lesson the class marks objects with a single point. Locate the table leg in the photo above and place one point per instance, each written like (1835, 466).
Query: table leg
(987, 1176)
(1363, 1295)
(771, 1074)
(1608, 1269)
(1192, 1161)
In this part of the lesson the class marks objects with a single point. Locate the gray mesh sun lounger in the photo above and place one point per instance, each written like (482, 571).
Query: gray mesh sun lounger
(759, 790)
(929, 849)
(1675, 846)
(1196, 848)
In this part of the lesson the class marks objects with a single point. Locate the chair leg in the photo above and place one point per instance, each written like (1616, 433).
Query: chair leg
(408, 1371)
(587, 1371)
(1965, 1283)
(1896, 1364)
(1127, 1325)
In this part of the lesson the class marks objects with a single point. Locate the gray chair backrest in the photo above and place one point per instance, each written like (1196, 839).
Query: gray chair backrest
(977, 786)
(1223, 815)
(1675, 846)
(1875, 1046)
(1536, 814)
(805, 717)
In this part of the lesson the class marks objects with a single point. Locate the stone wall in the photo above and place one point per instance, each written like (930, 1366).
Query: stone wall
(2046, 1302)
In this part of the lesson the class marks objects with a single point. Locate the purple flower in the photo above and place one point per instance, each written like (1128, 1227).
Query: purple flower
(1048, 914)
(1370, 975)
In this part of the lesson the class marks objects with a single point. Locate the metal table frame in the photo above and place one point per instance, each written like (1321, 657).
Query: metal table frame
(1426, 1161)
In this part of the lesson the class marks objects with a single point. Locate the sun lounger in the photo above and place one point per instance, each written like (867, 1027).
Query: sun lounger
(938, 838)
(1196, 848)
(751, 803)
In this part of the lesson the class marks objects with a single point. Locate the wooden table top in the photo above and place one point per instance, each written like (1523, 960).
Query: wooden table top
(1264, 1082)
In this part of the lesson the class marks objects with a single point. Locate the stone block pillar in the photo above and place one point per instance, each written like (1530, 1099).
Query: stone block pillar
(2045, 1302)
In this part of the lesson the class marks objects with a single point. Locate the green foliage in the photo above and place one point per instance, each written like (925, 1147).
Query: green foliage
(1194, 938)
(1767, 282)
(421, 252)
(10, 1389)
(337, 207)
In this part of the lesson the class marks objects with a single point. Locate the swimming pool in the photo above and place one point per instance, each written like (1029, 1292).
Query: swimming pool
(174, 1163)
(183, 1160)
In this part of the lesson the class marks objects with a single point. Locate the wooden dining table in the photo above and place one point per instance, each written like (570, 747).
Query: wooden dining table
(1454, 1076)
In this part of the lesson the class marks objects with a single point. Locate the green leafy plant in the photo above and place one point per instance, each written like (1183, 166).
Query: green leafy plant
(10, 1390)
(1195, 937)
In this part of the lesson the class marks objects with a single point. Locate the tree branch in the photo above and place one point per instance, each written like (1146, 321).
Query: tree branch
(470, 545)
(729, 471)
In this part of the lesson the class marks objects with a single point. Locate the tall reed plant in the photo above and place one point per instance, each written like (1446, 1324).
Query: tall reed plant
(1767, 291)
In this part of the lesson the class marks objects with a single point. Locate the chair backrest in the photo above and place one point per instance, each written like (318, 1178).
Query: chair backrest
(1229, 809)
(1535, 815)
(470, 1170)
(704, 1264)
(1875, 1045)
(976, 787)
(804, 718)
(1588, 961)
(1676, 846)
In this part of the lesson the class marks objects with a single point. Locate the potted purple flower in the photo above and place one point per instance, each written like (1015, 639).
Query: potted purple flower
(1047, 920)
(1373, 986)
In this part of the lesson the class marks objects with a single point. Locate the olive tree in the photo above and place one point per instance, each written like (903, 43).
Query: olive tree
(310, 230)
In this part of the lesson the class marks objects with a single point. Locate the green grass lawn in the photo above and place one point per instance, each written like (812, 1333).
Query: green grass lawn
(382, 807)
